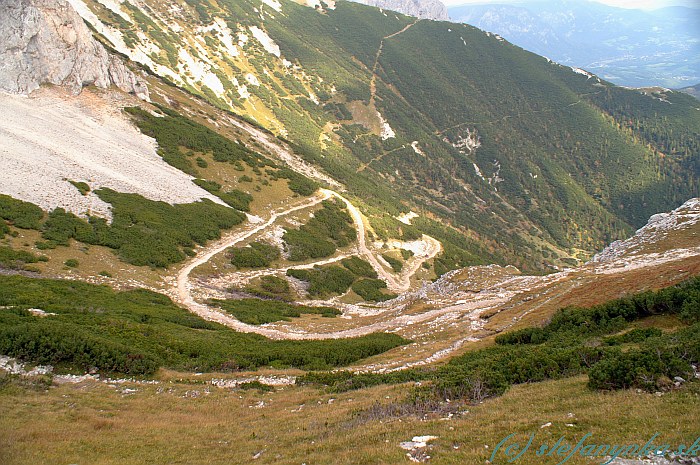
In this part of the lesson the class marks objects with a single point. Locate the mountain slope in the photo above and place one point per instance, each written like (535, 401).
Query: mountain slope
(435, 131)
(224, 405)
(692, 90)
(504, 156)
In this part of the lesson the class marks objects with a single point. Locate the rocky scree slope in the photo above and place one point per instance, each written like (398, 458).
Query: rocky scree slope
(681, 226)
(50, 141)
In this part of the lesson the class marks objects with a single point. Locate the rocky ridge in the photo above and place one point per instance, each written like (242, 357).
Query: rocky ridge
(423, 9)
(46, 41)
(684, 217)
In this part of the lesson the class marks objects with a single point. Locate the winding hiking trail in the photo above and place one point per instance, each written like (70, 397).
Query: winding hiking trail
(364, 166)
(402, 283)
(373, 81)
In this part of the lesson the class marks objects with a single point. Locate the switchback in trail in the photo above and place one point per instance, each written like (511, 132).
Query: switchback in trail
(400, 283)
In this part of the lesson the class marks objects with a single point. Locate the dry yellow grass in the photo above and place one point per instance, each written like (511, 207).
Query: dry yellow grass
(94, 423)
(585, 289)
(271, 196)
(92, 259)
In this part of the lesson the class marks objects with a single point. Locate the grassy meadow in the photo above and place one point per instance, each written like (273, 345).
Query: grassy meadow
(180, 422)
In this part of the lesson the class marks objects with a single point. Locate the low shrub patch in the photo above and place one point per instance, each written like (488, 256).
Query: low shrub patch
(258, 312)
(138, 331)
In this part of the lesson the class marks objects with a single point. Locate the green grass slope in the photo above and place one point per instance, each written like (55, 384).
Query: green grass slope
(524, 160)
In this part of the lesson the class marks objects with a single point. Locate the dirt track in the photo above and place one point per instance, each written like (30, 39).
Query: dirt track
(402, 283)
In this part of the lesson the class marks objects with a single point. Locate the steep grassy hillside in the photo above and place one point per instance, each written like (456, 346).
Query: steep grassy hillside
(506, 156)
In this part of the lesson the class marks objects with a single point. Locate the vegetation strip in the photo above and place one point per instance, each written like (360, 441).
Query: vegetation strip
(138, 331)
(575, 341)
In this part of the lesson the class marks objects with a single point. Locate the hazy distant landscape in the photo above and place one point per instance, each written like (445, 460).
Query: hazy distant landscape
(635, 48)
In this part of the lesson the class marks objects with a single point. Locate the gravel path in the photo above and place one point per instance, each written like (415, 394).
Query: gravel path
(184, 286)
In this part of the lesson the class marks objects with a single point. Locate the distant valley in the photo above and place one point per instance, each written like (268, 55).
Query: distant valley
(634, 48)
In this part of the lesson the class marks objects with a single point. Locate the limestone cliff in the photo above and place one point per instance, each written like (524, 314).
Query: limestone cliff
(424, 9)
(46, 41)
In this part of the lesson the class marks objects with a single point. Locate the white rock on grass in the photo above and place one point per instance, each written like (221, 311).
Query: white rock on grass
(266, 41)
(418, 442)
(417, 448)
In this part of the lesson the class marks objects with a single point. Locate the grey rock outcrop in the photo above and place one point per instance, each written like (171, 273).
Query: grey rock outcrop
(423, 9)
(659, 226)
(46, 41)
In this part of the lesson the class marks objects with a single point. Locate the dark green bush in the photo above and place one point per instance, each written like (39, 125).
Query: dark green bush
(342, 381)
(256, 255)
(173, 131)
(258, 312)
(643, 368)
(138, 331)
(16, 259)
(255, 385)
(209, 186)
(359, 267)
(333, 279)
(298, 183)
(235, 198)
(636, 335)
(59, 344)
(522, 336)
(396, 264)
(248, 257)
(303, 246)
(331, 227)
(83, 187)
(612, 316)
(271, 287)
(274, 284)
(325, 280)
(371, 289)
(144, 232)
(21, 214)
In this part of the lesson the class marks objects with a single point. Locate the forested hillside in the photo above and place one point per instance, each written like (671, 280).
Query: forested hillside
(505, 156)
